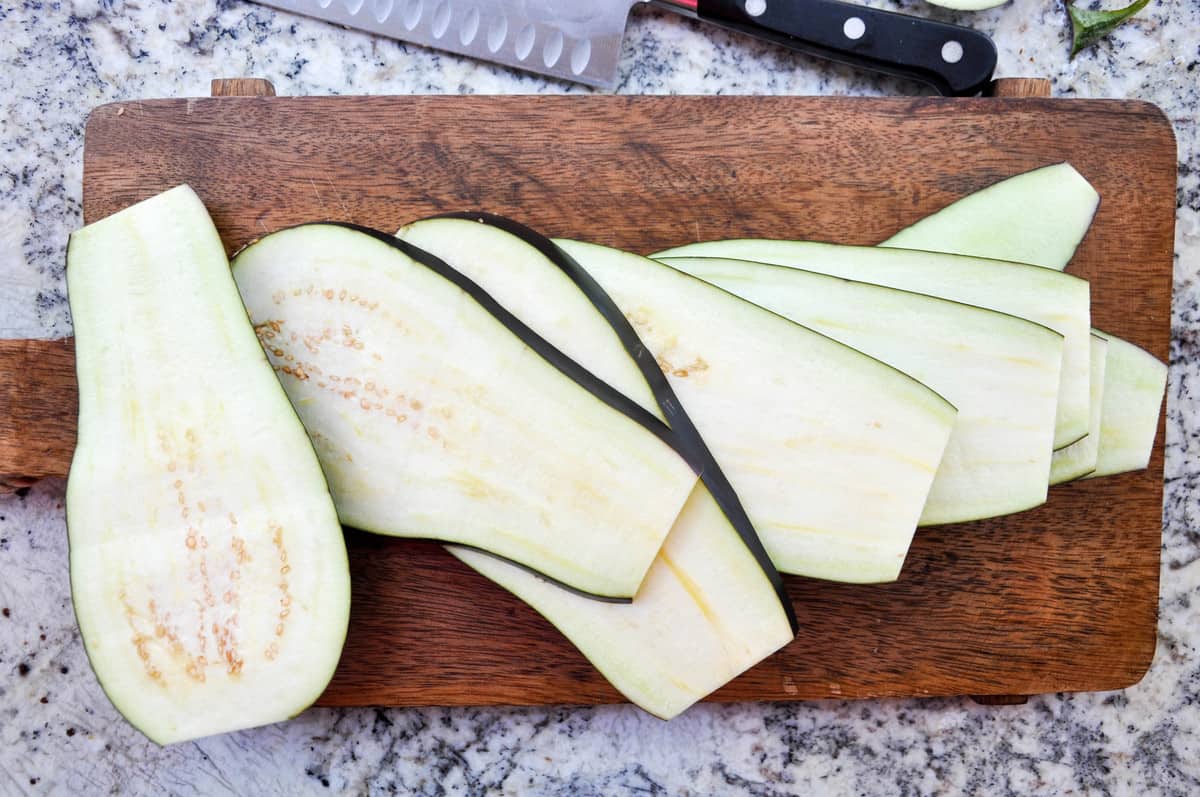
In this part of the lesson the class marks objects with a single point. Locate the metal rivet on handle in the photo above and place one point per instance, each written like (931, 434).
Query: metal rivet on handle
(756, 8)
(952, 52)
(854, 28)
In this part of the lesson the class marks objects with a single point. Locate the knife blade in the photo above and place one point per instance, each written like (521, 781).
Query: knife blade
(580, 40)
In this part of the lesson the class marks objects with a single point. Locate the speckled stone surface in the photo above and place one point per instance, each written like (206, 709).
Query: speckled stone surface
(58, 733)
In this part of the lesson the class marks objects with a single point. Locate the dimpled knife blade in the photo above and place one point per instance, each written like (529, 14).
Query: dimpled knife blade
(578, 40)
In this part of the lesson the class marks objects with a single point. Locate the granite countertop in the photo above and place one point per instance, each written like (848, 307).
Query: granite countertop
(59, 733)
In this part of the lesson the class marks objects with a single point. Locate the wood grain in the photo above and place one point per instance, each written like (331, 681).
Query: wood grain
(241, 87)
(1018, 87)
(1062, 598)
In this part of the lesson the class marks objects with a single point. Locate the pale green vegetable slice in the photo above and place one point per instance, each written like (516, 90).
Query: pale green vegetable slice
(1000, 371)
(1079, 459)
(436, 415)
(1038, 217)
(208, 569)
(703, 615)
(1134, 384)
(832, 452)
(711, 605)
(1058, 301)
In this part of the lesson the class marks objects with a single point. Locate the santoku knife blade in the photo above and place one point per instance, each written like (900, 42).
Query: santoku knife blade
(580, 40)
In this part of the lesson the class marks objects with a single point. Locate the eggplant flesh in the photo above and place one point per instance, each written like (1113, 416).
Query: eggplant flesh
(208, 569)
(1038, 217)
(788, 414)
(1079, 459)
(436, 416)
(704, 614)
(1000, 371)
(1134, 384)
(1058, 301)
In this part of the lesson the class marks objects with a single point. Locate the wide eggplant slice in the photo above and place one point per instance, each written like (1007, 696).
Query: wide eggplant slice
(831, 452)
(712, 604)
(1058, 301)
(704, 614)
(208, 569)
(1038, 217)
(1079, 459)
(1000, 371)
(1134, 384)
(437, 414)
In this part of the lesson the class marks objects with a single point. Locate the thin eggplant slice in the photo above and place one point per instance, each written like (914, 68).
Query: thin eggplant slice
(1058, 301)
(436, 414)
(712, 604)
(1079, 459)
(1134, 384)
(1000, 371)
(208, 569)
(704, 614)
(831, 452)
(1038, 217)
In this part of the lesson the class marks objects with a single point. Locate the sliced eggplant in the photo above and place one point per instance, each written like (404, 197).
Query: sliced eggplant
(1079, 459)
(704, 614)
(1058, 301)
(208, 569)
(1038, 217)
(437, 414)
(712, 604)
(517, 276)
(831, 452)
(1000, 371)
(1134, 384)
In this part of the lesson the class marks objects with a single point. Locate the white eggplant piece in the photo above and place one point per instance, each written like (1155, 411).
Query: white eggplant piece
(438, 415)
(704, 614)
(712, 604)
(1000, 371)
(832, 452)
(1038, 217)
(208, 569)
(1058, 301)
(1134, 384)
(1079, 459)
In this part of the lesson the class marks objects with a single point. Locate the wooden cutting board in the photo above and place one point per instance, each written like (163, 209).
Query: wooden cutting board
(1062, 598)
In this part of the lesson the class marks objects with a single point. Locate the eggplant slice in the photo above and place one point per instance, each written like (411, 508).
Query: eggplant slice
(1038, 217)
(831, 452)
(437, 414)
(1000, 371)
(1058, 301)
(208, 569)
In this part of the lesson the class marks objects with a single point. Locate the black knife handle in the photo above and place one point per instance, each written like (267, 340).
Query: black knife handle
(956, 61)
